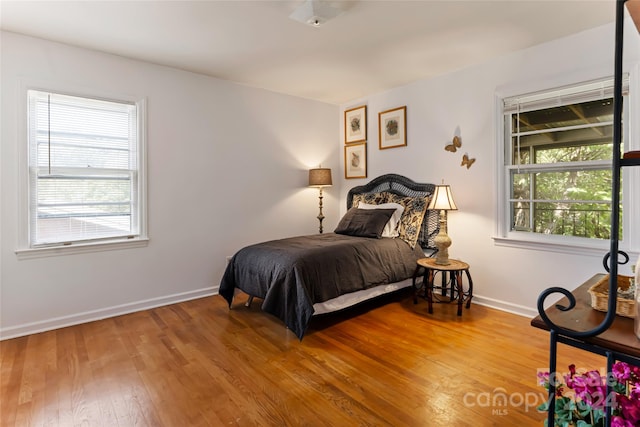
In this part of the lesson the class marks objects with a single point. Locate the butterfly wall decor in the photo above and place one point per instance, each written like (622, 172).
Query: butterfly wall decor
(466, 161)
(455, 144)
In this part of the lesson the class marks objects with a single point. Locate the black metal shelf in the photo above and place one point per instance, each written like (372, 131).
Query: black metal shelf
(580, 339)
(630, 162)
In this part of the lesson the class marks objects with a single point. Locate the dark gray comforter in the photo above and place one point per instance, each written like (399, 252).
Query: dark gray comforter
(292, 274)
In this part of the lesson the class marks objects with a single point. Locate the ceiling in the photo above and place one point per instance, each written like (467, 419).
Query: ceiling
(372, 46)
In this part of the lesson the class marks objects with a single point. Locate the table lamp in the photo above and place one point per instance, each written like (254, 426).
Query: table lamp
(442, 200)
(320, 178)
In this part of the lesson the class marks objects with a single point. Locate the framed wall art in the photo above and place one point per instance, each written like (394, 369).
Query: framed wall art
(355, 160)
(355, 125)
(392, 128)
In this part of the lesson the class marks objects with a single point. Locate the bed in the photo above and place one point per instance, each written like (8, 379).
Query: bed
(373, 251)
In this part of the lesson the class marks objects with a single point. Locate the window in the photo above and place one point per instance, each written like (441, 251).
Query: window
(557, 162)
(85, 183)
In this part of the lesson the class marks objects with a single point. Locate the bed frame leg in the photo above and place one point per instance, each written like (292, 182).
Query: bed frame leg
(249, 301)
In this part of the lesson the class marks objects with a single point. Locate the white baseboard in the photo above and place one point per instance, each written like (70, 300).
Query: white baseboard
(103, 313)
(90, 316)
(520, 310)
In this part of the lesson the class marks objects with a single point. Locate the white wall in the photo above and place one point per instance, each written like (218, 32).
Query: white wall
(227, 166)
(463, 103)
(235, 160)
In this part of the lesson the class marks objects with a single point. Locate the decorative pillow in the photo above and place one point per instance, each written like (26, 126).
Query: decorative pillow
(364, 222)
(370, 198)
(412, 217)
(391, 228)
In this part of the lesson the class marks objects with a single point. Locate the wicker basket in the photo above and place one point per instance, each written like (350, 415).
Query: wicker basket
(600, 297)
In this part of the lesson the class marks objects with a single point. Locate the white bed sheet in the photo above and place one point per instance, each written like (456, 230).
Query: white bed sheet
(353, 298)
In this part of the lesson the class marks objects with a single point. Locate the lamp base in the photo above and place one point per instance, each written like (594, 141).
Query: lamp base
(442, 257)
(442, 241)
(320, 215)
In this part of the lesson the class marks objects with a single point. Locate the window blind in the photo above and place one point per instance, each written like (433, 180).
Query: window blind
(584, 92)
(83, 169)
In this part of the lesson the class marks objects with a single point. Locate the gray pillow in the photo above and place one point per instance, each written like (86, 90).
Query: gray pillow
(364, 222)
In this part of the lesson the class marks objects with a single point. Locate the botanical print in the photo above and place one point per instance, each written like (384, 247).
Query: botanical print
(355, 161)
(392, 127)
(355, 125)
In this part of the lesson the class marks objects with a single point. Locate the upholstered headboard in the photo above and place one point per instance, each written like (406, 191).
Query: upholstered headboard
(403, 186)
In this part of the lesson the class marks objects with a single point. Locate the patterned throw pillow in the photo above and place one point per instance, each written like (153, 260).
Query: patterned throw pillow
(412, 217)
(370, 198)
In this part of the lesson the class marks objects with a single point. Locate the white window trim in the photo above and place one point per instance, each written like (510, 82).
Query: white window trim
(23, 250)
(630, 240)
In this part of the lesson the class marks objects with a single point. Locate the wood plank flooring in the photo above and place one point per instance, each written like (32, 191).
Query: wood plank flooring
(197, 363)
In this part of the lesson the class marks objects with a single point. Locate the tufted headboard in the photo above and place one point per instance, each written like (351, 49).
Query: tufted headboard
(403, 186)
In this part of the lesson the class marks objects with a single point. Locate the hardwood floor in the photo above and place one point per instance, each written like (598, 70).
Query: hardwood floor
(385, 363)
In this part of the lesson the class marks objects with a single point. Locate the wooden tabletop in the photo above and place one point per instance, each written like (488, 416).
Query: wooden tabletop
(454, 264)
(634, 10)
(619, 337)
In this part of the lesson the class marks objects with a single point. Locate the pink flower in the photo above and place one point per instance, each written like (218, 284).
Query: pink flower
(621, 371)
(569, 378)
(589, 387)
(543, 378)
(629, 408)
(620, 422)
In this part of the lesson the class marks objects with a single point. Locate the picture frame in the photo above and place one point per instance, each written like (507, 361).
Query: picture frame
(355, 160)
(392, 128)
(355, 125)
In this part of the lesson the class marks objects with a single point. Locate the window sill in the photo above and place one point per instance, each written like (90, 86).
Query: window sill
(81, 248)
(599, 248)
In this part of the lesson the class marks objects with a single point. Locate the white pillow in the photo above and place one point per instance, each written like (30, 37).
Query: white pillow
(391, 228)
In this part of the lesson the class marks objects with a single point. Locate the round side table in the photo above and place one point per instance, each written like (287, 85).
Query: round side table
(451, 282)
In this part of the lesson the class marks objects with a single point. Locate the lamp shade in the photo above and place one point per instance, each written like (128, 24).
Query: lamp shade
(320, 177)
(442, 199)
